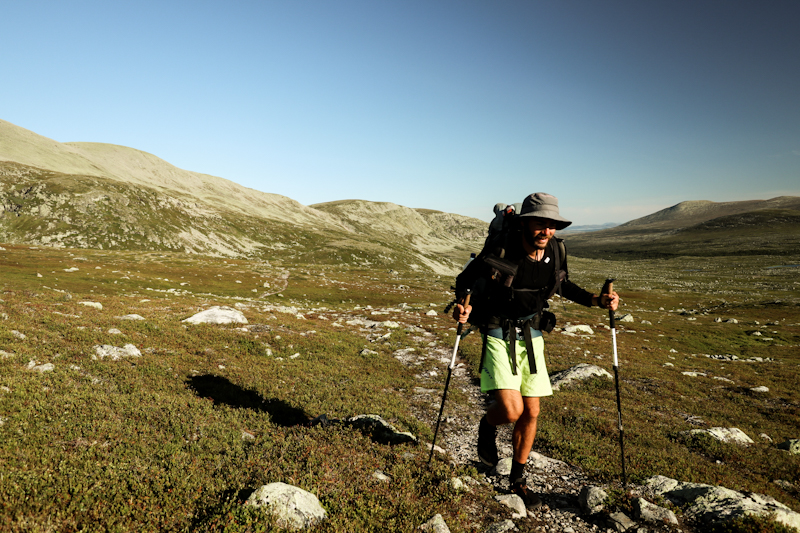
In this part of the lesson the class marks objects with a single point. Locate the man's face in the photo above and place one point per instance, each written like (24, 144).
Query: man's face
(540, 231)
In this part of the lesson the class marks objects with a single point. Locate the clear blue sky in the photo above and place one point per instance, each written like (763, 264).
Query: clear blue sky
(618, 108)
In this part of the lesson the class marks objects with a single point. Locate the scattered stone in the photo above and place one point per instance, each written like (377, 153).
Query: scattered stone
(19, 335)
(625, 318)
(432, 313)
(791, 445)
(620, 522)
(390, 324)
(114, 353)
(380, 476)
(380, 430)
(732, 321)
(760, 389)
(785, 485)
(765, 437)
(515, 503)
(579, 328)
(579, 372)
(71, 269)
(718, 319)
(502, 527)
(114, 331)
(592, 499)
(248, 436)
(47, 367)
(293, 507)
(96, 305)
(5, 355)
(756, 333)
(218, 315)
(652, 513)
(367, 351)
(694, 374)
(435, 525)
(130, 317)
(503, 467)
(457, 484)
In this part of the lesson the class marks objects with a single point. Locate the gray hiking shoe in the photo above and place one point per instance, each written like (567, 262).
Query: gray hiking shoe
(487, 443)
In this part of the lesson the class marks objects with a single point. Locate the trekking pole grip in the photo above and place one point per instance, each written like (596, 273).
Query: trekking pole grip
(464, 303)
(608, 288)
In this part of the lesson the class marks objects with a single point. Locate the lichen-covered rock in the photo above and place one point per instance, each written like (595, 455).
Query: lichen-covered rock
(435, 525)
(707, 503)
(114, 353)
(380, 430)
(791, 445)
(218, 315)
(578, 372)
(652, 513)
(592, 499)
(293, 507)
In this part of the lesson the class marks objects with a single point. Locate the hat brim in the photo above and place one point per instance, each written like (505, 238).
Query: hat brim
(560, 221)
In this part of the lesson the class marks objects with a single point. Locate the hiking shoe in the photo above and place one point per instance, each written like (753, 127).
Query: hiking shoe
(531, 500)
(487, 443)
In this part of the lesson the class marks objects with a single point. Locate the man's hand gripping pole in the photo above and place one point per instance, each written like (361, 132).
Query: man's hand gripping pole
(450, 368)
(608, 289)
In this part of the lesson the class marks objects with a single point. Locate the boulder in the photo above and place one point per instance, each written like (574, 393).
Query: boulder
(218, 315)
(731, 435)
(710, 504)
(579, 372)
(293, 507)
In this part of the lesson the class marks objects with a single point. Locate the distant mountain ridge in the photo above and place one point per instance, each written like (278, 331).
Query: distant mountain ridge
(108, 196)
(700, 228)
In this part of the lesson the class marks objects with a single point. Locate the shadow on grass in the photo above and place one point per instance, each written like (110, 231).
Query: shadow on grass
(223, 392)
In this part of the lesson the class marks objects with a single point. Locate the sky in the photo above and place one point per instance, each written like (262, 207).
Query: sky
(619, 108)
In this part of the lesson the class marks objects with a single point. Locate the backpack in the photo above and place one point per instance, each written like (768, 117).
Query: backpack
(490, 276)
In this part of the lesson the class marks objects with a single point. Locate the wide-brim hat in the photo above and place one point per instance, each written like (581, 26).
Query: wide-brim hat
(543, 205)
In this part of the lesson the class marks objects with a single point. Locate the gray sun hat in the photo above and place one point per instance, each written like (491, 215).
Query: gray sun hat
(543, 205)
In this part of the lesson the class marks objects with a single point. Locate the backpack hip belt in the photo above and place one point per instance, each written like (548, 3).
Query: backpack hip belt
(509, 327)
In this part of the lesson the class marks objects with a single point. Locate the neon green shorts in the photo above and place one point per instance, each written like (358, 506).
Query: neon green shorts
(497, 370)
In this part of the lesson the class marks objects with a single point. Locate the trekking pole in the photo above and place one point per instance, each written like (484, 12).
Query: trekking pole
(607, 288)
(449, 375)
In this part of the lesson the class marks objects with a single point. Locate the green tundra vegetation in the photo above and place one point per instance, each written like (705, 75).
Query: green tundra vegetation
(175, 439)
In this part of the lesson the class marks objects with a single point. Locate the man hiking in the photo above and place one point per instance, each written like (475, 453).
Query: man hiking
(510, 282)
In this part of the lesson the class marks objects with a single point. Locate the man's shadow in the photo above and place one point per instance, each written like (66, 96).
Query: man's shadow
(223, 392)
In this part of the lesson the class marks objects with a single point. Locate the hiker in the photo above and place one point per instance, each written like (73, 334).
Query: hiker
(510, 282)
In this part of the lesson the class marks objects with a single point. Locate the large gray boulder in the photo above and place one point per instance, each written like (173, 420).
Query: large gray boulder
(578, 372)
(710, 504)
(218, 315)
(730, 435)
(293, 507)
(592, 499)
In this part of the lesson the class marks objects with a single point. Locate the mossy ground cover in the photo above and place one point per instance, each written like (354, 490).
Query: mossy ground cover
(174, 440)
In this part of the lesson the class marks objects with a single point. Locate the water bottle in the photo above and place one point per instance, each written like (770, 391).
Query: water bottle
(470, 260)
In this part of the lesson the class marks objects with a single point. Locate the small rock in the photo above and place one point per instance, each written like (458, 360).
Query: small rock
(579, 328)
(620, 522)
(732, 321)
(435, 525)
(515, 503)
(47, 367)
(501, 527)
(115, 353)
(218, 315)
(625, 318)
(731, 435)
(380, 476)
(432, 313)
(592, 499)
(653, 514)
(760, 389)
(114, 331)
(293, 507)
(130, 317)
(18, 335)
(96, 305)
(791, 445)
(579, 372)
(503, 467)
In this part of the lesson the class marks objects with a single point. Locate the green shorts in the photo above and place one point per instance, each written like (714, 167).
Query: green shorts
(497, 370)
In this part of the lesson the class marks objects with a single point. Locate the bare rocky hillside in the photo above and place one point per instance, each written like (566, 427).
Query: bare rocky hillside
(105, 196)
